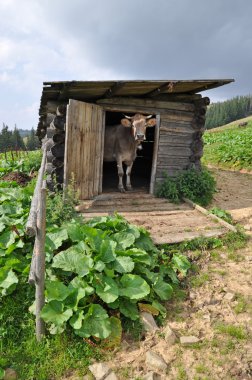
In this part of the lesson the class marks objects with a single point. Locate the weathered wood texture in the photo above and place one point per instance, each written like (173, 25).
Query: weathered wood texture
(84, 147)
(180, 139)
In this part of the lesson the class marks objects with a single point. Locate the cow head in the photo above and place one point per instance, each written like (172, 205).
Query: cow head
(138, 124)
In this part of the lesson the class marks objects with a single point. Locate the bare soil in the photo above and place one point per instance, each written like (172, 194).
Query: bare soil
(21, 178)
(217, 307)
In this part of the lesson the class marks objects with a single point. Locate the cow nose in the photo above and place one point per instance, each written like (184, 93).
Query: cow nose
(140, 136)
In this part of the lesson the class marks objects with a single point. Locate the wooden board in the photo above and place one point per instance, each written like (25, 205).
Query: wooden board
(166, 222)
(84, 147)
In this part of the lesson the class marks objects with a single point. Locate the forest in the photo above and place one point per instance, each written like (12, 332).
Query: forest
(13, 140)
(225, 112)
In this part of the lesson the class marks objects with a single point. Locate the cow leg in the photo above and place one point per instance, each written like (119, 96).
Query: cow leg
(120, 175)
(128, 173)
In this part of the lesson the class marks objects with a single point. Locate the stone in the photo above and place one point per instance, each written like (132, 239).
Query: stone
(152, 376)
(187, 340)
(207, 317)
(170, 336)
(99, 370)
(148, 322)
(247, 227)
(111, 376)
(229, 297)
(10, 374)
(155, 361)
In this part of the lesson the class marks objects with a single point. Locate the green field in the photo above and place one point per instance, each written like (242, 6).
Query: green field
(229, 146)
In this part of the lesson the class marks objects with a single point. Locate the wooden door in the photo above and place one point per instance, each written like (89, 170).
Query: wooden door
(84, 148)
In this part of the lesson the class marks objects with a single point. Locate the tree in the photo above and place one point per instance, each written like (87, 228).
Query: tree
(32, 141)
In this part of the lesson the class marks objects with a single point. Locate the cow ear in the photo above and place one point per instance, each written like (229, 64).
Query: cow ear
(151, 122)
(126, 122)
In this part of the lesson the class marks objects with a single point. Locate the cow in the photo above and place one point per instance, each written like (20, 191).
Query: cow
(123, 140)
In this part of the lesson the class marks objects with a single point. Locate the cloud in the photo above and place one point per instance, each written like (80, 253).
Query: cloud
(54, 40)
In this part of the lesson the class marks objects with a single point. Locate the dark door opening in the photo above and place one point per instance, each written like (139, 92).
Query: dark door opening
(142, 167)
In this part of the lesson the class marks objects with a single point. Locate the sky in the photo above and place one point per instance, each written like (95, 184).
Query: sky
(54, 40)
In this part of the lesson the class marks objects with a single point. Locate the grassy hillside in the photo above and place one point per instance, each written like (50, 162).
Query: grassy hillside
(229, 146)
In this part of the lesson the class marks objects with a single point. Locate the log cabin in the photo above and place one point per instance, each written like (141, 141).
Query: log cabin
(73, 116)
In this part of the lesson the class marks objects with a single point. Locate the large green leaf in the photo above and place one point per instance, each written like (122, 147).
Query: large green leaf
(137, 254)
(129, 309)
(93, 236)
(133, 286)
(95, 323)
(144, 242)
(7, 239)
(76, 320)
(55, 239)
(181, 263)
(73, 260)
(124, 239)
(106, 289)
(54, 313)
(80, 283)
(114, 339)
(56, 290)
(8, 281)
(106, 251)
(163, 289)
(123, 264)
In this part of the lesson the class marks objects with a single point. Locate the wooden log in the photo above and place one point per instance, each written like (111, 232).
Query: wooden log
(49, 168)
(61, 110)
(59, 122)
(58, 150)
(59, 137)
(148, 103)
(50, 132)
(49, 118)
(49, 156)
(57, 162)
(209, 214)
(58, 173)
(40, 262)
(31, 225)
(155, 155)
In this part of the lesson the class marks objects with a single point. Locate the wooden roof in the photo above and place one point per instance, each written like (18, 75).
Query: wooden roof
(92, 90)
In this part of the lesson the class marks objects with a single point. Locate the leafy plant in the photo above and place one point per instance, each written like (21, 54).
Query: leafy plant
(199, 186)
(222, 214)
(229, 147)
(102, 267)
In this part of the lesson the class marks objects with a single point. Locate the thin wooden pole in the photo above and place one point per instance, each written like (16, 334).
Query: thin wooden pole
(210, 215)
(155, 154)
(31, 222)
(40, 261)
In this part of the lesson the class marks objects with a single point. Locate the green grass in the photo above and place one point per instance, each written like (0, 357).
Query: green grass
(200, 280)
(51, 358)
(229, 147)
(237, 332)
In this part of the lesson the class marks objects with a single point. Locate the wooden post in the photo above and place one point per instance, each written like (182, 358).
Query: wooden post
(209, 214)
(32, 219)
(155, 153)
(40, 261)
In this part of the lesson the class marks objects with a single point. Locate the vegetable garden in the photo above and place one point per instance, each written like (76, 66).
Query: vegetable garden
(99, 276)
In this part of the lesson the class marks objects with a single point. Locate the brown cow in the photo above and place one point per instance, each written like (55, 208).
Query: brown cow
(122, 142)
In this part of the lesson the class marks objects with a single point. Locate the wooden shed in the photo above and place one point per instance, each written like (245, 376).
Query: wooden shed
(74, 115)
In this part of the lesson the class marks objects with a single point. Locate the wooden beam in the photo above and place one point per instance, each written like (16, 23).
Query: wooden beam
(158, 90)
(113, 89)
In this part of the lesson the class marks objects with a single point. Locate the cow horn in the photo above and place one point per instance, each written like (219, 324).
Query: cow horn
(148, 117)
(127, 117)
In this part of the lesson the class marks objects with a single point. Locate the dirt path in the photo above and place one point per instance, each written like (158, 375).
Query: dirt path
(234, 190)
(216, 309)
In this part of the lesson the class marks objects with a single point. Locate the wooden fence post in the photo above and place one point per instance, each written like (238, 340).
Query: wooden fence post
(40, 261)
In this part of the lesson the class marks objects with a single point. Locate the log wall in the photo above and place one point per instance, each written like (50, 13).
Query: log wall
(180, 144)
